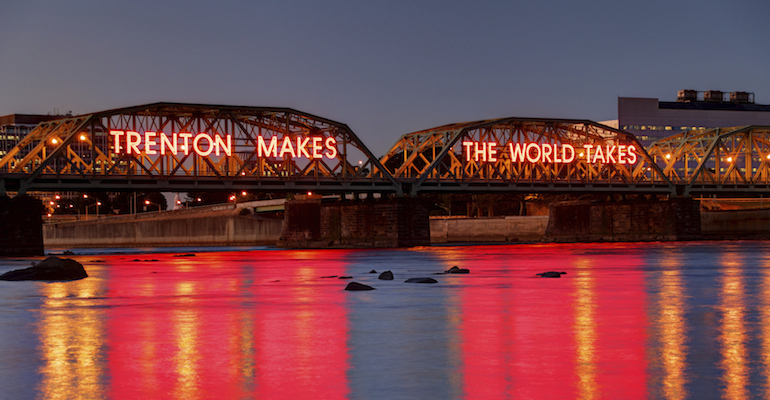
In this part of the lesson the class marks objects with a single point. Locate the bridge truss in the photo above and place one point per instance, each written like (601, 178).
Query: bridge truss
(433, 161)
(731, 161)
(81, 153)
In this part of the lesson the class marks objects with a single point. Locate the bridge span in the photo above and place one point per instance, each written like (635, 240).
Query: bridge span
(194, 147)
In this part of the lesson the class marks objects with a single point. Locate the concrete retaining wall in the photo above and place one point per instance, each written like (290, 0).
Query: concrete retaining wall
(734, 224)
(503, 229)
(178, 228)
(364, 225)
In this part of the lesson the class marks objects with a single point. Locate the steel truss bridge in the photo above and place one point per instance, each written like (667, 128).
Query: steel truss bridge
(285, 150)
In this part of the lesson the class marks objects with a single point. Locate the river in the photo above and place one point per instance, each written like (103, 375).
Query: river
(627, 320)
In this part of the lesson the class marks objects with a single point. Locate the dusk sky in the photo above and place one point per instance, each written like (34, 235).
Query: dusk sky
(385, 68)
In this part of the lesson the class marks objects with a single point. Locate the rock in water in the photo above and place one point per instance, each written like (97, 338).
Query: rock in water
(421, 280)
(358, 286)
(551, 274)
(387, 275)
(457, 270)
(50, 269)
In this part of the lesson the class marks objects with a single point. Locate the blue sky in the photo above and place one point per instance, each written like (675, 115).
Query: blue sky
(385, 68)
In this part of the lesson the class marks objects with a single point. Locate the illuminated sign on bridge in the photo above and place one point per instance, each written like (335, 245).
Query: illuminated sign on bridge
(203, 144)
(551, 153)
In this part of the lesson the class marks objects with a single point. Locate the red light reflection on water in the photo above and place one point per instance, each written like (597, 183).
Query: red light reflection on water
(301, 350)
(194, 328)
(578, 336)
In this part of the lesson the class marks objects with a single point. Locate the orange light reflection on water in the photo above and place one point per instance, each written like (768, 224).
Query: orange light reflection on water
(672, 329)
(585, 331)
(732, 336)
(765, 325)
(71, 341)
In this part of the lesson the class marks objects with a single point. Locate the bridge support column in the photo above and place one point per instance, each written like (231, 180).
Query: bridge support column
(399, 222)
(21, 226)
(624, 221)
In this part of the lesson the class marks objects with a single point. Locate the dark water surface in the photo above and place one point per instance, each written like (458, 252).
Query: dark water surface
(631, 320)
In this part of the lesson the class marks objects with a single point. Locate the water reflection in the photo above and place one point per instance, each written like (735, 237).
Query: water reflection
(764, 295)
(671, 326)
(71, 341)
(627, 321)
(733, 329)
(585, 330)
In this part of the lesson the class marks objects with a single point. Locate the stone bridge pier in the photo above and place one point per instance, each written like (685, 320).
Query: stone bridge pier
(310, 222)
(21, 226)
(624, 221)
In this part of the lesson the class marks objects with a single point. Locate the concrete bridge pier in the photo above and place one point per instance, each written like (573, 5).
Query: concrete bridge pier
(21, 228)
(310, 222)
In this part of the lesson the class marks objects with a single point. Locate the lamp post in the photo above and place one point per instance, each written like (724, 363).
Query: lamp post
(148, 202)
(96, 205)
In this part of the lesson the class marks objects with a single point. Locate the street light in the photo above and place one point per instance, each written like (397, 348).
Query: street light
(96, 205)
(148, 202)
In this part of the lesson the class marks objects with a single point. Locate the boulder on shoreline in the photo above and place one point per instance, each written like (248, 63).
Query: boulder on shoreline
(457, 270)
(50, 269)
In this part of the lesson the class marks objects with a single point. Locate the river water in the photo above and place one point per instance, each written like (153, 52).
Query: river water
(628, 320)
